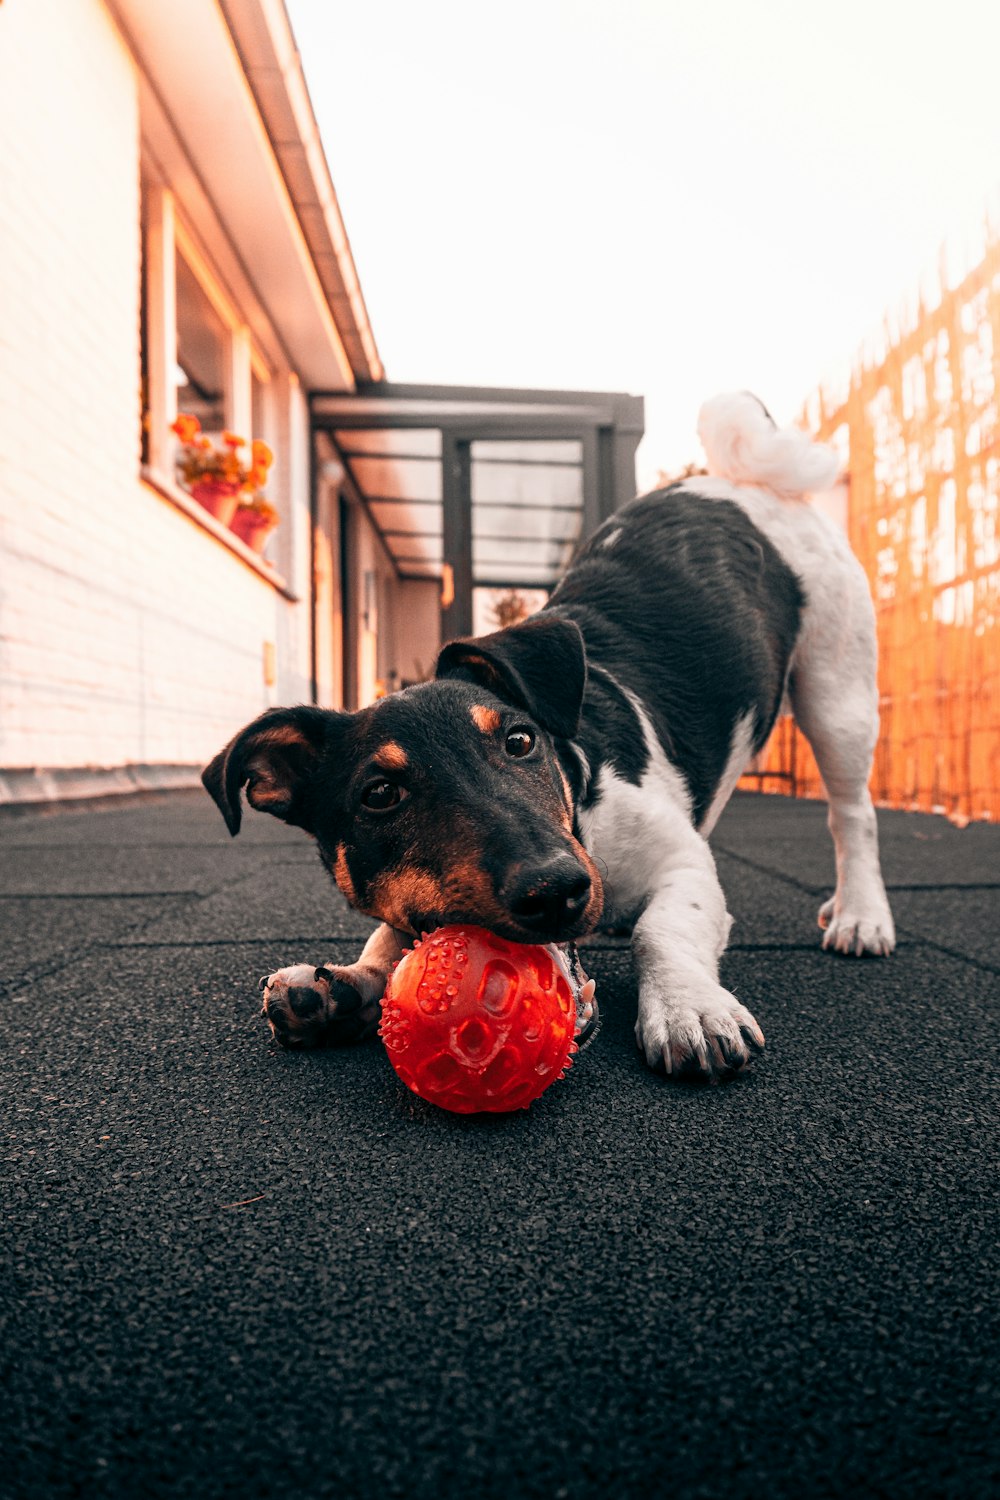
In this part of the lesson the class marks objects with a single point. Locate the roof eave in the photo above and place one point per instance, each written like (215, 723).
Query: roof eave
(263, 36)
(190, 60)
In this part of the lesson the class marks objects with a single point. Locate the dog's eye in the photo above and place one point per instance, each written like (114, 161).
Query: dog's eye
(519, 742)
(379, 796)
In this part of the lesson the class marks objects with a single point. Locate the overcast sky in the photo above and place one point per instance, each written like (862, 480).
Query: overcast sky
(654, 196)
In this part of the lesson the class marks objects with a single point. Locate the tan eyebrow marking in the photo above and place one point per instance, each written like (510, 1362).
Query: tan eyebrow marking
(486, 720)
(391, 757)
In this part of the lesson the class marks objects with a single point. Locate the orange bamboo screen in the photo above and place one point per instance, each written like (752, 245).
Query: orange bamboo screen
(919, 427)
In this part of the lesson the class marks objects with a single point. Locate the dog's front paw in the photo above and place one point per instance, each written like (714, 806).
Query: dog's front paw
(854, 932)
(708, 1036)
(329, 1006)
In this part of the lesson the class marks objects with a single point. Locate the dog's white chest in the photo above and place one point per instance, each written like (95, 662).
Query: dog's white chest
(632, 831)
(616, 835)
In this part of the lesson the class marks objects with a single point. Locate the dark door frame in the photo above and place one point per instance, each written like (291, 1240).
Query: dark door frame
(608, 426)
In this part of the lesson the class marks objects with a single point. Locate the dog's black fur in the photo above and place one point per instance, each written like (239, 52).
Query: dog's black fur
(472, 819)
(680, 606)
(464, 800)
(692, 610)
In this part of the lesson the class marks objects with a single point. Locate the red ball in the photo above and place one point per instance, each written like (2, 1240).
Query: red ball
(472, 1022)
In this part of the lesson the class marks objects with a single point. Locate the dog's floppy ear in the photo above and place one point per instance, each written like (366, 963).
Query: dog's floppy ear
(539, 665)
(275, 755)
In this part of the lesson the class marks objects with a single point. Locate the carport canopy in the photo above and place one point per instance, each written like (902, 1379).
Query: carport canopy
(482, 487)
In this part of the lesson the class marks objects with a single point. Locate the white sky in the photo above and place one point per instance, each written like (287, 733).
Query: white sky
(656, 196)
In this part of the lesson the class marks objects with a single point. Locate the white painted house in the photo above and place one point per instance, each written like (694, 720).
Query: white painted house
(170, 241)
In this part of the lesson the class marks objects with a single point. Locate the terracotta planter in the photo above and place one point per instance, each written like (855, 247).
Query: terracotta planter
(219, 499)
(252, 527)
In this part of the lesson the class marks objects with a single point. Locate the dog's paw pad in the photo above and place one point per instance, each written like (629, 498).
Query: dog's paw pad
(711, 1040)
(856, 934)
(306, 1006)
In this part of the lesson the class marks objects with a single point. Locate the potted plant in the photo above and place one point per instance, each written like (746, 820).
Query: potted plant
(254, 521)
(215, 474)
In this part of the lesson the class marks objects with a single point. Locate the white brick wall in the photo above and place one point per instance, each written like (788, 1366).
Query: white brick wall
(127, 633)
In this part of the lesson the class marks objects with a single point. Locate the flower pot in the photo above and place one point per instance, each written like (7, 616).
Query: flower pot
(219, 498)
(253, 527)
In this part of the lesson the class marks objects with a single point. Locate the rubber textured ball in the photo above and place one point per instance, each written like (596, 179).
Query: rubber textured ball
(477, 1024)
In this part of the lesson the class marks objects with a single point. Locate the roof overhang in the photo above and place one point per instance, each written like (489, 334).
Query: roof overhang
(253, 150)
(481, 487)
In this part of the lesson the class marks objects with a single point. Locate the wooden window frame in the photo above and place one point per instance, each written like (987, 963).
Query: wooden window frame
(166, 236)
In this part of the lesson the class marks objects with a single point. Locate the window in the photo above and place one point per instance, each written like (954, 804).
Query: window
(259, 423)
(203, 352)
(199, 357)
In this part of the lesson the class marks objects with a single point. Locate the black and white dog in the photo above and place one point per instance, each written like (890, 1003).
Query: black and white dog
(577, 762)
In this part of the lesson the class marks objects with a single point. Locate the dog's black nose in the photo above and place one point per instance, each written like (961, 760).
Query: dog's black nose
(549, 897)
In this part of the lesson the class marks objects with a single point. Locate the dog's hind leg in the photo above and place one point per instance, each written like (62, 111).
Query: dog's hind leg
(832, 684)
(834, 696)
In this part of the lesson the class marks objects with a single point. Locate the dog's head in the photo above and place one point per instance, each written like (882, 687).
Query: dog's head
(443, 803)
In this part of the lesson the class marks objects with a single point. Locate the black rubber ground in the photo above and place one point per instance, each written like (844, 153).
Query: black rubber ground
(232, 1271)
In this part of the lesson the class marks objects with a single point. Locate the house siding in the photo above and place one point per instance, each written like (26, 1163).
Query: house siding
(128, 634)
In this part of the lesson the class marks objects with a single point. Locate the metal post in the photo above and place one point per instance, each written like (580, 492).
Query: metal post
(456, 497)
(623, 461)
(592, 509)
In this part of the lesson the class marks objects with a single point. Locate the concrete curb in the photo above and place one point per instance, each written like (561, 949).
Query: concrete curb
(36, 788)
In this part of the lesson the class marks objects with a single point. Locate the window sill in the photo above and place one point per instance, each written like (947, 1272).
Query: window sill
(179, 498)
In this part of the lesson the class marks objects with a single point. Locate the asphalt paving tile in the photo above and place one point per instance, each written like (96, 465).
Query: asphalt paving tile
(766, 908)
(235, 1271)
(965, 921)
(171, 818)
(278, 900)
(111, 870)
(789, 838)
(288, 1259)
(42, 935)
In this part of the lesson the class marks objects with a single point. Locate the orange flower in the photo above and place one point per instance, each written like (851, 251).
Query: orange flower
(186, 427)
(205, 458)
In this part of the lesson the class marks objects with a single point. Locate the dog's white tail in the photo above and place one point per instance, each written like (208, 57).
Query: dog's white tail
(743, 445)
